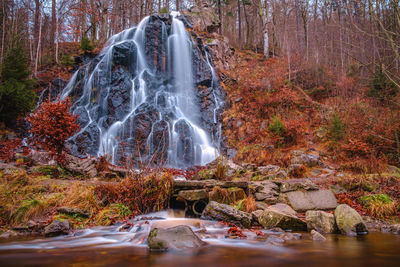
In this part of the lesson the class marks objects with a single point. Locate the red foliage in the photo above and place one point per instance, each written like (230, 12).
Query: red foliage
(7, 148)
(52, 124)
(236, 232)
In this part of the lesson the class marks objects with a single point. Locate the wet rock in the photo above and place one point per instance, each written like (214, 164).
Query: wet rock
(57, 228)
(348, 221)
(317, 236)
(271, 218)
(293, 185)
(73, 212)
(320, 221)
(274, 239)
(291, 236)
(312, 200)
(10, 234)
(395, 229)
(193, 195)
(175, 238)
(41, 158)
(227, 213)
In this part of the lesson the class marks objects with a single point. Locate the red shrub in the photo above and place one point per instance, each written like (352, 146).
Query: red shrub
(52, 125)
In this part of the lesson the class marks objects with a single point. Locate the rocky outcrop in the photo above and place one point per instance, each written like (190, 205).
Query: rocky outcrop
(226, 213)
(57, 228)
(178, 237)
(320, 221)
(348, 221)
(271, 218)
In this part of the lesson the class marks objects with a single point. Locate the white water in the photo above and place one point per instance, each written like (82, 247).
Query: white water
(212, 232)
(179, 98)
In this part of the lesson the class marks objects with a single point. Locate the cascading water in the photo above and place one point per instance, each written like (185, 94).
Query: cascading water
(140, 98)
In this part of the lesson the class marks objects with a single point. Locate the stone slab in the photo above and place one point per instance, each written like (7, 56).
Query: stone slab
(312, 200)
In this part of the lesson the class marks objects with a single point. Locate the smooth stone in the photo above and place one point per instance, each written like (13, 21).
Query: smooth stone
(57, 228)
(349, 221)
(193, 195)
(271, 218)
(320, 221)
(312, 200)
(175, 238)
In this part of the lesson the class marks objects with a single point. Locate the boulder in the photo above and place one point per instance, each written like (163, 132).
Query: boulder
(57, 228)
(222, 212)
(294, 185)
(283, 208)
(271, 218)
(193, 195)
(261, 205)
(291, 236)
(269, 169)
(308, 159)
(348, 221)
(317, 236)
(320, 221)
(178, 237)
(312, 200)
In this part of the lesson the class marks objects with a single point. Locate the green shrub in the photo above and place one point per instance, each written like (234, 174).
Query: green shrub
(163, 10)
(86, 45)
(67, 60)
(382, 198)
(381, 86)
(336, 129)
(16, 91)
(277, 127)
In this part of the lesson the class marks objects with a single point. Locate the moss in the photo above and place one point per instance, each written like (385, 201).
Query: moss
(109, 215)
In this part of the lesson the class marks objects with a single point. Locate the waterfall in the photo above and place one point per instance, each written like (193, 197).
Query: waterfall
(139, 99)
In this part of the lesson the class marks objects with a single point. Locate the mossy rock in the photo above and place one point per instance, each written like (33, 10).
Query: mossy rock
(348, 221)
(205, 174)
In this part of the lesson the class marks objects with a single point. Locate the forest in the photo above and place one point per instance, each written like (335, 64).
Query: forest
(208, 127)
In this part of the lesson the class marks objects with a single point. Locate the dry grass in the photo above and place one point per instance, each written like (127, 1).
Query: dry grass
(247, 205)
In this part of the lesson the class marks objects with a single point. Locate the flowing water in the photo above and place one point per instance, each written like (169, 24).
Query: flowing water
(138, 98)
(105, 246)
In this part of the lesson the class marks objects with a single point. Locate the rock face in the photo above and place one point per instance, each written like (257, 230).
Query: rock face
(223, 212)
(320, 221)
(348, 221)
(271, 218)
(312, 200)
(267, 191)
(178, 237)
(128, 106)
(57, 228)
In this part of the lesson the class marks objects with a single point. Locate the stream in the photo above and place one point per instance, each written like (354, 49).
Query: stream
(126, 244)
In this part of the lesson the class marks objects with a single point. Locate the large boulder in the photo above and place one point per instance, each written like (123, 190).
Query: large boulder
(348, 221)
(320, 221)
(312, 200)
(226, 213)
(178, 237)
(271, 218)
(57, 228)
(283, 208)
